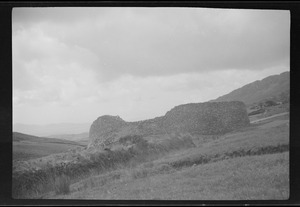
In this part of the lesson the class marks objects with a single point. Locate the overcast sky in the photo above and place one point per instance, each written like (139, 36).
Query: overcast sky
(76, 64)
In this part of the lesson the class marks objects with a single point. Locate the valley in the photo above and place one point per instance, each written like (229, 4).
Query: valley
(26, 147)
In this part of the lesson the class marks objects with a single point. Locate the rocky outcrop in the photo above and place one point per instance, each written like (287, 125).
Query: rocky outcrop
(195, 118)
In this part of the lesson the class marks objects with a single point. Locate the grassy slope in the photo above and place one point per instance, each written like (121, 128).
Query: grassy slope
(269, 111)
(270, 86)
(229, 176)
(244, 178)
(27, 147)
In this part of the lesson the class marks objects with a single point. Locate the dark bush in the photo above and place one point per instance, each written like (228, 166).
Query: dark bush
(259, 111)
(270, 103)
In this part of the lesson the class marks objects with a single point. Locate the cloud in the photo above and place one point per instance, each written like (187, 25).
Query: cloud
(133, 98)
(47, 70)
(166, 41)
(79, 63)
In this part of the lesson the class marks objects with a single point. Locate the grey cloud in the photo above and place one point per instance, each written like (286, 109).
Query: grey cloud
(166, 41)
(57, 15)
(38, 97)
(23, 80)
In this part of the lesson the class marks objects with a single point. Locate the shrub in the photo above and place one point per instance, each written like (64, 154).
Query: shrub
(259, 111)
(270, 103)
(62, 185)
(163, 168)
(139, 173)
(131, 139)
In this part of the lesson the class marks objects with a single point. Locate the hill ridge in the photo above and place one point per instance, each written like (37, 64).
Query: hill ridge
(271, 87)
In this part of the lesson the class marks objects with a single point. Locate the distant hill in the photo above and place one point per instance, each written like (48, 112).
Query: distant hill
(72, 137)
(51, 129)
(29, 147)
(18, 137)
(275, 87)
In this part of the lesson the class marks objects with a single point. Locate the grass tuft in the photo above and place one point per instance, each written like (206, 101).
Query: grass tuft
(139, 173)
(62, 185)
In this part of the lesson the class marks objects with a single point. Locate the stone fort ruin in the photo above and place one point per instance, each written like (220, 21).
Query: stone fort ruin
(207, 118)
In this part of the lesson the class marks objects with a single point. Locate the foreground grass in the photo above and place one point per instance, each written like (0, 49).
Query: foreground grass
(30, 182)
(253, 140)
(250, 163)
(244, 178)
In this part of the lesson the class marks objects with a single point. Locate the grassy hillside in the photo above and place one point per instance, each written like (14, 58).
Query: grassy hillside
(250, 163)
(241, 178)
(275, 87)
(27, 147)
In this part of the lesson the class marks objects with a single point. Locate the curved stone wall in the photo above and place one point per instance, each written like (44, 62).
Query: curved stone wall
(195, 118)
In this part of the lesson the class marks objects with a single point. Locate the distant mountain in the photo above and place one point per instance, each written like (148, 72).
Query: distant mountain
(51, 129)
(73, 137)
(275, 87)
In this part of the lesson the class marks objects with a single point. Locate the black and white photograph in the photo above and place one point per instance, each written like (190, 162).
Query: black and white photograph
(150, 103)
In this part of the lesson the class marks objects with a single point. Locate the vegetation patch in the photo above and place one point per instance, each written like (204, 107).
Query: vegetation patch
(203, 159)
(145, 159)
(62, 185)
(33, 183)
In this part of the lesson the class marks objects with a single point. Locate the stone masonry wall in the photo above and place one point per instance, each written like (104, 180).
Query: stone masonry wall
(195, 118)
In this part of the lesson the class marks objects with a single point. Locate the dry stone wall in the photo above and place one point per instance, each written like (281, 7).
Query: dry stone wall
(206, 118)
(195, 118)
